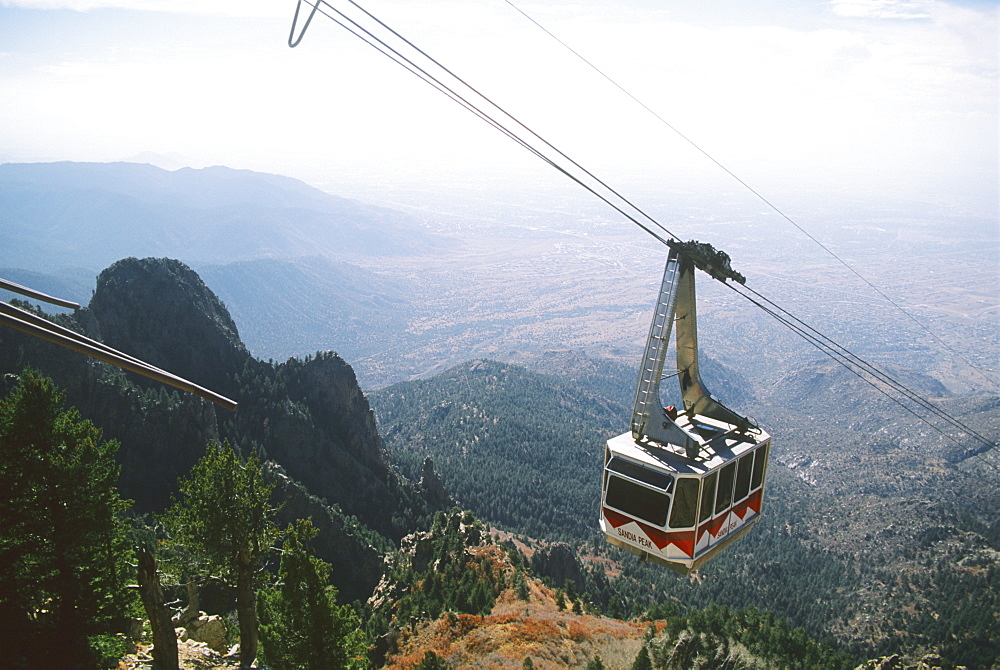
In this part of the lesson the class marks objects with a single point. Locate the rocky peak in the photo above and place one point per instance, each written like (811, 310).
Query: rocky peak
(452, 538)
(432, 486)
(159, 310)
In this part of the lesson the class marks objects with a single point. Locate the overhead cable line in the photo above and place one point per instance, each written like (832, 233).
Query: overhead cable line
(839, 353)
(865, 371)
(846, 362)
(37, 295)
(759, 196)
(860, 363)
(395, 55)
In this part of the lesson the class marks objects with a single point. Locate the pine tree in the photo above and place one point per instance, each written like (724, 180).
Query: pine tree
(521, 586)
(642, 661)
(64, 550)
(301, 625)
(225, 515)
(431, 661)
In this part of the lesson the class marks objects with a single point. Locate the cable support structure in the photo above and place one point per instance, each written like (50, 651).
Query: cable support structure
(613, 198)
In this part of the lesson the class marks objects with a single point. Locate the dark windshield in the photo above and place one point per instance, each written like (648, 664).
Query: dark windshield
(660, 480)
(637, 501)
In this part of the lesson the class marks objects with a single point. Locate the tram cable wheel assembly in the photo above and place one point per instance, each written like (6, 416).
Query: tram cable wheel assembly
(682, 485)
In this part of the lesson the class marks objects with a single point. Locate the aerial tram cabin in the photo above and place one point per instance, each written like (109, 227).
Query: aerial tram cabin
(681, 486)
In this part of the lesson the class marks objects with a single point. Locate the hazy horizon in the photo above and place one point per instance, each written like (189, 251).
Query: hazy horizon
(847, 98)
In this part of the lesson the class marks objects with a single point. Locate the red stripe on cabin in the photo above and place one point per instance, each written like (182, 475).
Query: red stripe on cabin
(716, 524)
(683, 540)
(753, 502)
(702, 528)
(616, 519)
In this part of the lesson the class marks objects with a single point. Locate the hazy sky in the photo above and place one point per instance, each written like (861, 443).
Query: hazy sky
(865, 96)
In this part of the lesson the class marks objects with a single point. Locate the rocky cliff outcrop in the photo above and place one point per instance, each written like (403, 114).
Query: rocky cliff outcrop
(895, 662)
(311, 417)
(308, 415)
(452, 541)
(432, 487)
(159, 310)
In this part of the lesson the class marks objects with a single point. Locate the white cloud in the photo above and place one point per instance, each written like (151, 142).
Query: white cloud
(244, 8)
(882, 9)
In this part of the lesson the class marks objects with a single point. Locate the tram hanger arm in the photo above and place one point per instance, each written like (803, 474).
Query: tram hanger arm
(676, 302)
(709, 259)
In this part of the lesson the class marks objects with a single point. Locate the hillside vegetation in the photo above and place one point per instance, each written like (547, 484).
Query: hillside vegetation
(881, 550)
(308, 416)
(518, 448)
(520, 619)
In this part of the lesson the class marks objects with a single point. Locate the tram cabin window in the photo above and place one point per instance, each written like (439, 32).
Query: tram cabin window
(708, 497)
(660, 480)
(758, 467)
(685, 503)
(724, 495)
(637, 501)
(743, 468)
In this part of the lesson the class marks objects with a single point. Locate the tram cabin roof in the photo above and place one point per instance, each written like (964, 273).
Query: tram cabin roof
(723, 443)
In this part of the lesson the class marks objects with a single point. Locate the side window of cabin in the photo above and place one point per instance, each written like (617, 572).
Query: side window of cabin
(724, 496)
(708, 497)
(743, 468)
(685, 503)
(758, 467)
(637, 500)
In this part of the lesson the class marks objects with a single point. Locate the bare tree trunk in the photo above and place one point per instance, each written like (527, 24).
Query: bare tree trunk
(193, 609)
(247, 613)
(164, 639)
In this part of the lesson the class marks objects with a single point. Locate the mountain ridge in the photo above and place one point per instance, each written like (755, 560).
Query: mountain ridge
(57, 215)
